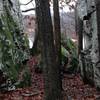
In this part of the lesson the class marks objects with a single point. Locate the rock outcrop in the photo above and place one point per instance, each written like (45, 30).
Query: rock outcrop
(89, 52)
(13, 44)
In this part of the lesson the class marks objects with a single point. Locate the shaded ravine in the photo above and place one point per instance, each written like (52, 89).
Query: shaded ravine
(74, 88)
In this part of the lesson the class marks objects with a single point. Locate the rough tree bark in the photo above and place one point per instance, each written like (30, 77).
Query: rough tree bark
(52, 80)
(79, 30)
(57, 35)
(80, 35)
(57, 32)
(97, 2)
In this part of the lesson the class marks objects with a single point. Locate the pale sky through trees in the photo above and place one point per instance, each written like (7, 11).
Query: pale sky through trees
(32, 5)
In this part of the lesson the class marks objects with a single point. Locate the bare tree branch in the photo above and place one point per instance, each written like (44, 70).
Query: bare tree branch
(27, 3)
(68, 1)
(28, 10)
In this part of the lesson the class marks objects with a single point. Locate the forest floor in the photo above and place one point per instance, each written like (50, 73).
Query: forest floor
(73, 86)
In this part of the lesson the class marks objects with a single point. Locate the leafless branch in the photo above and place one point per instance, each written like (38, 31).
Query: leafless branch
(28, 10)
(68, 1)
(27, 3)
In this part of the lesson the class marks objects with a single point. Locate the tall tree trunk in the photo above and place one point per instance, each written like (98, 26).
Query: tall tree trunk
(52, 79)
(57, 35)
(97, 2)
(80, 35)
(37, 41)
(79, 31)
(57, 31)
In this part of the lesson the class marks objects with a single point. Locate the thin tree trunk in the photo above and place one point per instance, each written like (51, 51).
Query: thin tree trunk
(37, 36)
(97, 2)
(79, 31)
(57, 31)
(80, 35)
(57, 35)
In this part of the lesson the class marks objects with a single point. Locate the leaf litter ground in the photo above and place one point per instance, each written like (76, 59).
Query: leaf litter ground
(74, 88)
